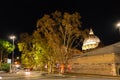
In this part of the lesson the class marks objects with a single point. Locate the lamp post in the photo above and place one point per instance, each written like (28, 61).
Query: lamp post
(118, 26)
(13, 39)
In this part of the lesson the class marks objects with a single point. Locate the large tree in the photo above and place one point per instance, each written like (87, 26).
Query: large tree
(54, 40)
(62, 33)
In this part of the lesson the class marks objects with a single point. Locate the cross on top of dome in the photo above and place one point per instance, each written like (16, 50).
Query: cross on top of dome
(91, 32)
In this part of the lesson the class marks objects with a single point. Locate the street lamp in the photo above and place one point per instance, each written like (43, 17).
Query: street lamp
(13, 39)
(118, 26)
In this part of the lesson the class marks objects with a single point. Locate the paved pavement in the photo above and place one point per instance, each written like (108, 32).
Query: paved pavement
(45, 76)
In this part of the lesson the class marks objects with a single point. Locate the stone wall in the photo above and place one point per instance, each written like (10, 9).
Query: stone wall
(99, 58)
(117, 57)
(102, 69)
(94, 64)
(117, 61)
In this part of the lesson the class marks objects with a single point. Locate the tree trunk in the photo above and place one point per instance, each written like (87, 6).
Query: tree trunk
(1, 58)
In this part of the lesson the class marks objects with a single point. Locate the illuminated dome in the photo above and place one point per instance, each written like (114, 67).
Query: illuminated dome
(91, 42)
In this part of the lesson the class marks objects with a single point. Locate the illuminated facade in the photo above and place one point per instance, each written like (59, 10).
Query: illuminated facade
(91, 42)
(101, 61)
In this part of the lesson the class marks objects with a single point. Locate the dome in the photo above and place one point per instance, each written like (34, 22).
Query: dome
(91, 42)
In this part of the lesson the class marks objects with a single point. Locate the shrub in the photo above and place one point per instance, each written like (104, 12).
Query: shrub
(5, 67)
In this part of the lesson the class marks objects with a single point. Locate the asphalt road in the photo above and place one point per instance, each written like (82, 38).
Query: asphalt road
(39, 76)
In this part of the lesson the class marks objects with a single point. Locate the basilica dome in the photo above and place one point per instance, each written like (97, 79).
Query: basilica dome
(90, 42)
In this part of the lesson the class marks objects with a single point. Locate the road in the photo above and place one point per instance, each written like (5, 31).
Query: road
(38, 76)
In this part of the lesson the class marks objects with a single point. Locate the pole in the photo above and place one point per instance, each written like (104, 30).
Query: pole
(12, 62)
(13, 57)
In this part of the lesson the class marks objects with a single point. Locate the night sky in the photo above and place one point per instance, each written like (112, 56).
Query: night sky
(18, 16)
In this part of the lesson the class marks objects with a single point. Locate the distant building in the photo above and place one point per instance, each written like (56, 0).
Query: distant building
(102, 61)
(91, 42)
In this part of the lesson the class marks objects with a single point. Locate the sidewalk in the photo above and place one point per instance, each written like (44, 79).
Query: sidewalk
(89, 75)
(42, 74)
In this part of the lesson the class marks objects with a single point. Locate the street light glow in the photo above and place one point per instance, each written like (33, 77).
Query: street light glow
(118, 26)
(0, 77)
(12, 37)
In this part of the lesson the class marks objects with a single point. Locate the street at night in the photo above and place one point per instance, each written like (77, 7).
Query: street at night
(59, 40)
(39, 76)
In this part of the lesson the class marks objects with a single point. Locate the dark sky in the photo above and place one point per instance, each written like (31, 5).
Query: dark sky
(17, 16)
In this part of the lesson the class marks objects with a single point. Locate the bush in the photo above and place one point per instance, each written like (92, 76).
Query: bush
(5, 67)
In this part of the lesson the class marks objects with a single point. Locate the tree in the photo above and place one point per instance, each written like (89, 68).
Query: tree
(41, 49)
(32, 48)
(54, 40)
(25, 46)
(5, 49)
(62, 33)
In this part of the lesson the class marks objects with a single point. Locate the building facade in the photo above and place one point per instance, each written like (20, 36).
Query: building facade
(102, 61)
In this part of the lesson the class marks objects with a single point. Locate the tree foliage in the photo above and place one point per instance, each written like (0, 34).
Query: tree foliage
(54, 40)
(25, 46)
(62, 32)
(32, 49)
(5, 49)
